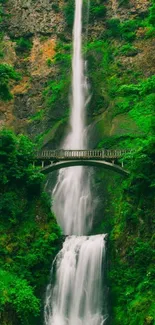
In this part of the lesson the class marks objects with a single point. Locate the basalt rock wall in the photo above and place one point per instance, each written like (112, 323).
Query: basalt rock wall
(45, 24)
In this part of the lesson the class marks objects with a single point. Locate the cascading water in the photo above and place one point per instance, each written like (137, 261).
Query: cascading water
(77, 296)
(71, 196)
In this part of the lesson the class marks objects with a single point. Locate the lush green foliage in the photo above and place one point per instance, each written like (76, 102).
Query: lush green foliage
(2, 14)
(16, 293)
(28, 232)
(139, 101)
(132, 250)
(152, 15)
(23, 45)
(123, 92)
(97, 10)
(127, 30)
(69, 13)
(7, 73)
(127, 206)
(56, 92)
(99, 60)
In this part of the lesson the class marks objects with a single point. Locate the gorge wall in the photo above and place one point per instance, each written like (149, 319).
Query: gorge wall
(119, 49)
(36, 40)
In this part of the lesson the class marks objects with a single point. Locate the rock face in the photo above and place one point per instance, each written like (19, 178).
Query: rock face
(129, 10)
(35, 73)
(30, 17)
(43, 23)
(39, 22)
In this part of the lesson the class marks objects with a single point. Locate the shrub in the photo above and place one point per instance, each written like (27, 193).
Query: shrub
(49, 62)
(20, 294)
(113, 26)
(123, 3)
(152, 15)
(69, 13)
(128, 29)
(125, 30)
(55, 7)
(23, 45)
(7, 73)
(97, 11)
(150, 32)
(127, 50)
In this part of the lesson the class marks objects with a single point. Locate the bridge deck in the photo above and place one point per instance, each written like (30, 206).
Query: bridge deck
(80, 154)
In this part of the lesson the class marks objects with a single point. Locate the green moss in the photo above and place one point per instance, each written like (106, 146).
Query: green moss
(138, 100)
(38, 116)
(100, 60)
(51, 134)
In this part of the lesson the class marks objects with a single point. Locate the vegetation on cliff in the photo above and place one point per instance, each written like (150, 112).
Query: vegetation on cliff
(132, 242)
(122, 94)
(29, 235)
(121, 113)
(7, 73)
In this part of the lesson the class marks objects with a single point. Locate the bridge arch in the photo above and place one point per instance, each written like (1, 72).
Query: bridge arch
(94, 163)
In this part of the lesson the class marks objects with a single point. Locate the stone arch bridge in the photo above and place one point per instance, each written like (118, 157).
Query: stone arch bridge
(51, 160)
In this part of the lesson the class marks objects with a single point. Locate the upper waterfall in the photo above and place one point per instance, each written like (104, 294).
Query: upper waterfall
(76, 139)
(72, 202)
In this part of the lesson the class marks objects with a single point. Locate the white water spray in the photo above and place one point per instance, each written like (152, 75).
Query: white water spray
(72, 202)
(77, 296)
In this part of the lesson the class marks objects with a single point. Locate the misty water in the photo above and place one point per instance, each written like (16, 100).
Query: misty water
(77, 296)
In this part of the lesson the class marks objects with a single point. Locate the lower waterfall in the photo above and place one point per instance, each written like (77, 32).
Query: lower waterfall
(76, 298)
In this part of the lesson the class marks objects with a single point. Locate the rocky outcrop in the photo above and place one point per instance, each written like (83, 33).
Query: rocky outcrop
(30, 17)
(128, 9)
(144, 60)
(35, 73)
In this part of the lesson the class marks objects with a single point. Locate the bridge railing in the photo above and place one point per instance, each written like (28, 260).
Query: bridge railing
(80, 154)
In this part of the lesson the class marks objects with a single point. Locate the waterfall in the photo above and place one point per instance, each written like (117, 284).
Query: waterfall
(77, 296)
(72, 201)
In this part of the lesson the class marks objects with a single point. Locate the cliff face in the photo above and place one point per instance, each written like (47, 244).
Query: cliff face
(36, 42)
(126, 48)
(44, 24)
(34, 25)
(29, 17)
